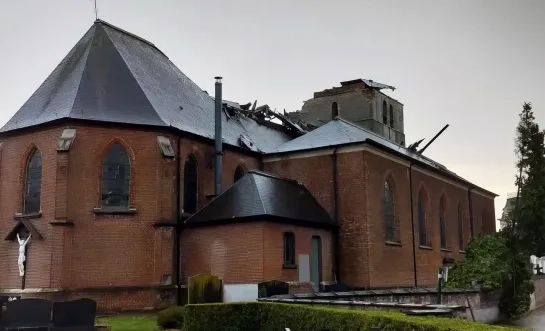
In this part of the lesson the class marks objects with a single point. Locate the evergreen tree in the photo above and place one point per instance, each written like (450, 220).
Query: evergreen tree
(528, 225)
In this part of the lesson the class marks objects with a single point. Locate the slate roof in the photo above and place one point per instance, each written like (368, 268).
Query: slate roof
(262, 196)
(341, 132)
(114, 76)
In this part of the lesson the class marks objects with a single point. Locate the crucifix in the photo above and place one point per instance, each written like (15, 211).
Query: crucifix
(538, 269)
(22, 254)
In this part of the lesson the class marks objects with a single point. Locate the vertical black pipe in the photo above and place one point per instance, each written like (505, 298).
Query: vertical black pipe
(176, 232)
(218, 137)
(472, 231)
(336, 247)
(412, 222)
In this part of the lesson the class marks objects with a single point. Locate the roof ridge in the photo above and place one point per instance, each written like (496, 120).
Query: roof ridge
(259, 195)
(99, 21)
(271, 175)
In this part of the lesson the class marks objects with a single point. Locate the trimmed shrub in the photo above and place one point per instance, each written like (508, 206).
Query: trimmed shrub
(277, 316)
(171, 318)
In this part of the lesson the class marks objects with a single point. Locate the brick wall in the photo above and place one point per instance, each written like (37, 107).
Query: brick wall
(248, 252)
(98, 250)
(366, 260)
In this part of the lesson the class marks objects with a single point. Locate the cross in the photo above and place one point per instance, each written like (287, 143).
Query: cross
(539, 269)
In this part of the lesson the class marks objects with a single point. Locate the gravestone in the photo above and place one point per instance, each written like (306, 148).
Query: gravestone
(272, 287)
(27, 313)
(204, 289)
(337, 287)
(538, 264)
(304, 268)
(76, 313)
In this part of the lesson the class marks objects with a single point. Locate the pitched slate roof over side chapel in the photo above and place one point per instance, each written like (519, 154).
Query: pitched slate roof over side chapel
(263, 196)
(114, 76)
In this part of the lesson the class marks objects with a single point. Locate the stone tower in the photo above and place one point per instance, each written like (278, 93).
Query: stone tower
(359, 101)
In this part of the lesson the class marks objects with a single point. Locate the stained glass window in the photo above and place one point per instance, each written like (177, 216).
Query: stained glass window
(33, 183)
(389, 212)
(116, 176)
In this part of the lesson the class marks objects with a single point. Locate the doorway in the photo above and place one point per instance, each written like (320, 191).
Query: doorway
(316, 262)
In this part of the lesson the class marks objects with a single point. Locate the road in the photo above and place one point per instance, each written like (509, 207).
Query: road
(535, 321)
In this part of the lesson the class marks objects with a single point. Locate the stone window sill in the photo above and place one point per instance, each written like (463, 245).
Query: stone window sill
(114, 211)
(18, 216)
(289, 266)
(425, 247)
(392, 243)
(446, 250)
(462, 251)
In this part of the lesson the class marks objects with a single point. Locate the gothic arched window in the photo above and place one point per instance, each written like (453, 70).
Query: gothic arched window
(190, 185)
(334, 110)
(422, 233)
(33, 183)
(442, 223)
(239, 173)
(116, 177)
(389, 212)
(460, 229)
(384, 113)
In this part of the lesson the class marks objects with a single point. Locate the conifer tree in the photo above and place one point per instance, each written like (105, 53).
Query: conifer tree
(528, 220)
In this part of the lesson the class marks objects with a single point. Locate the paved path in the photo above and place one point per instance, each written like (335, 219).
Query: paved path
(535, 321)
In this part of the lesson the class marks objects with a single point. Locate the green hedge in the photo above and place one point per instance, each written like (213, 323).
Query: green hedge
(171, 318)
(276, 316)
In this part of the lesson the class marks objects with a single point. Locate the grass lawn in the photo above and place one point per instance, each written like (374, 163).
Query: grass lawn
(130, 322)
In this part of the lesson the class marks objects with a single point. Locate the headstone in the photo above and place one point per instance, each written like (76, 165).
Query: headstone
(26, 313)
(74, 313)
(304, 268)
(337, 287)
(273, 287)
(538, 264)
(205, 289)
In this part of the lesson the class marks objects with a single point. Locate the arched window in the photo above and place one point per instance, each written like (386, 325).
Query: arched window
(190, 185)
(384, 113)
(33, 183)
(391, 116)
(389, 212)
(460, 229)
(334, 110)
(239, 173)
(422, 233)
(442, 223)
(116, 177)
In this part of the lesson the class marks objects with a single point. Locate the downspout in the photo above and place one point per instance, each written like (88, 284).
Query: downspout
(412, 221)
(336, 247)
(218, 137)
(177, 227)
(472, 233)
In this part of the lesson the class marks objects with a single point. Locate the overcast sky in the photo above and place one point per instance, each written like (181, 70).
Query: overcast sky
(467, 63)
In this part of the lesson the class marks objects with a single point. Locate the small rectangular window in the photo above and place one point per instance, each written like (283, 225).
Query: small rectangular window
(289, 249)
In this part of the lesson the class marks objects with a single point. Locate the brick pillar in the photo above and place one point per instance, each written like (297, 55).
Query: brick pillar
(61, 232)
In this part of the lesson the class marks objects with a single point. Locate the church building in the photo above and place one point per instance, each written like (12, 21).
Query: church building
(120, 178)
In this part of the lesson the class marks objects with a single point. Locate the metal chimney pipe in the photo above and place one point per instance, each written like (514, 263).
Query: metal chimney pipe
(218, 137)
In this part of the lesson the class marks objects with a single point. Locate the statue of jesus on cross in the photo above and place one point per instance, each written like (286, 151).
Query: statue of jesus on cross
(22, 254)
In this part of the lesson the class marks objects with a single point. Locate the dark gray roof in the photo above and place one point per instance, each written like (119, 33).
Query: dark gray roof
(262, 196)
(341, 132)
(368, 82)
(114, 76)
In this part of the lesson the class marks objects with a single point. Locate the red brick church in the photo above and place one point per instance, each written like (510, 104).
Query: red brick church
(123, 183)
